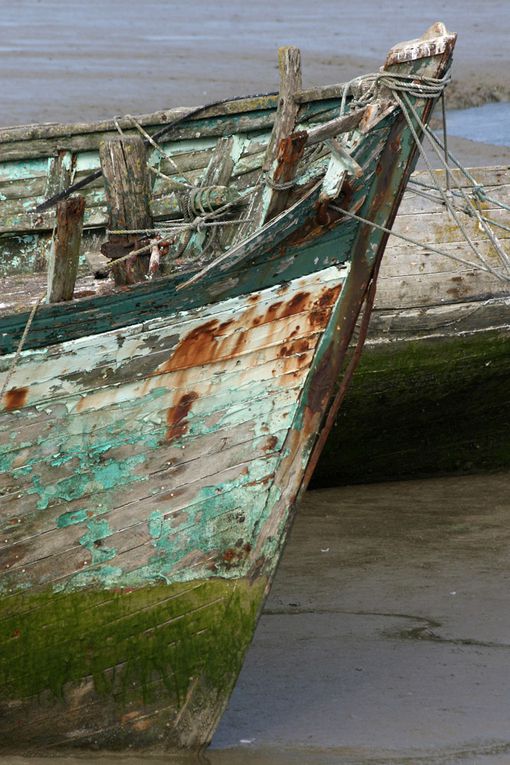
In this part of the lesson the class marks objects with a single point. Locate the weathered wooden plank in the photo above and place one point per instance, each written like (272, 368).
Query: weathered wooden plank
(434, 289)
(334, 127)
(60, 171)
(440, 227)
(213, 452)
(124, 510)
(157, 490)
(65, 250)
(290, 153)
(403, 259)
(128, 191)
(121, 346)
(147, 452)
(89, 495)
(441, 320)
(292, 302)
(416, 204)
(279, 160)
(253, 103)
(200, 128)
(497, 175)
(72, 436)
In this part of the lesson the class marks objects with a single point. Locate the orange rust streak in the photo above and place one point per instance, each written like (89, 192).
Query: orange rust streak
(177, 414)
(210, 342)
(15, 398)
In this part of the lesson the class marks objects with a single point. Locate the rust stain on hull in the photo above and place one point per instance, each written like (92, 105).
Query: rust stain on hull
(15, 398)
(177, 416)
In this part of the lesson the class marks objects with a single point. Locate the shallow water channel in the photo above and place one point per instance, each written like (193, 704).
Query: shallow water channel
(489, 123)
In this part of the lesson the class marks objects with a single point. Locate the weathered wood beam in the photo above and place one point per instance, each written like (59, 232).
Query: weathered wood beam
(127, 188)
(269, 196)
(289, 64)
(235, 106)
(290, 153)
(60, 171)
(65, 250)
(334, 127)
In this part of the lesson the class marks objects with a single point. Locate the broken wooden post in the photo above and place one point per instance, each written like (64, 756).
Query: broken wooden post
(273, 195)
(65, 249)
(127, 187)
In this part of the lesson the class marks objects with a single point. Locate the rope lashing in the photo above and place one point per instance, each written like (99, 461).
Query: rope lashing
(19, 349)
(409, 113)
(418, 86)
(276, 186)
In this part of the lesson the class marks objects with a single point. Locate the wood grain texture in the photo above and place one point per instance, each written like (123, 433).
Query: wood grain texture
(411, 276)
(170, 468)
(128, 192)
(166, 410)
(65, 250)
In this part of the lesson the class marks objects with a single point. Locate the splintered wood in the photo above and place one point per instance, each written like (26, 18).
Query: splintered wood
(278, 167)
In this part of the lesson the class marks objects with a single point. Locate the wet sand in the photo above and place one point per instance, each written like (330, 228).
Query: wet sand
(83, 61)
(386, 636)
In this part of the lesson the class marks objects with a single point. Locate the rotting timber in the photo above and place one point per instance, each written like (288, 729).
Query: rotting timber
(158, 429)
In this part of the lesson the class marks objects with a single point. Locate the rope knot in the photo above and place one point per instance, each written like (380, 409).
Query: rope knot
(198, 223)
(479, 192)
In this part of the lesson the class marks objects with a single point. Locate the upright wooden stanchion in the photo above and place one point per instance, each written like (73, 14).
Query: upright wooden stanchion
(127, 186)
(282, 155)
(65, 249)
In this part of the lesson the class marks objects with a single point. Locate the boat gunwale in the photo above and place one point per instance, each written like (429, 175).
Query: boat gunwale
(224, 108)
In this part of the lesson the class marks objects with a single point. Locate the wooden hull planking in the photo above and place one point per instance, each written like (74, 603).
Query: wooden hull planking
(155, 443)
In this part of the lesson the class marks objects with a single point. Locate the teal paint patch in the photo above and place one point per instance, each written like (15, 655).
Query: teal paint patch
(97, 531)
(155, 524)
(72, 518)
(100, 478)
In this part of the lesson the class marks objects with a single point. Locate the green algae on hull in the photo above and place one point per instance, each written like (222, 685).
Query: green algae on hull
(441, 403)
(110, 665)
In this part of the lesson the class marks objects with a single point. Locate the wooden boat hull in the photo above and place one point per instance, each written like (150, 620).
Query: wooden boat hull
(435, 367)
(155, 443)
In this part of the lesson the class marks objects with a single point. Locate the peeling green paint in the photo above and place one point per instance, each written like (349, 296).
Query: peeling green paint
(103, 477)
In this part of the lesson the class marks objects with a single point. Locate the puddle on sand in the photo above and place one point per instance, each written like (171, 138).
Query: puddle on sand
(489, 123)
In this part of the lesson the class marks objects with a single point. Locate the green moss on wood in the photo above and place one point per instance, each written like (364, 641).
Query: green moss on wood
(141, 645)
(421, 408)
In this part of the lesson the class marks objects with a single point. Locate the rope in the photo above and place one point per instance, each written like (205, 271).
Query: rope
(178, 226)
(279, 186)
(14, 362)
(463, 209)
(408, 239)
(418, 86)
(407, 108)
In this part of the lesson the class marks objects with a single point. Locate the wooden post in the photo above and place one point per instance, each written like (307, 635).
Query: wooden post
(289, 64)
(65, 249)
(127, 187)
(279, 163)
